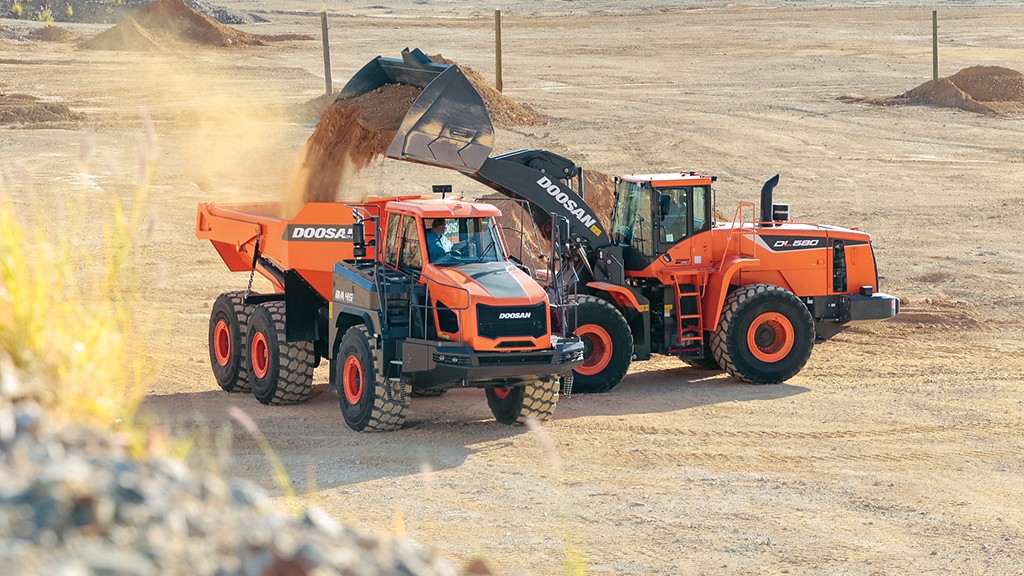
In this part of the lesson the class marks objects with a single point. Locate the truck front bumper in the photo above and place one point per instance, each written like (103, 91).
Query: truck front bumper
(452, 364)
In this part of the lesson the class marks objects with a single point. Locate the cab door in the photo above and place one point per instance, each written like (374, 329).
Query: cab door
(700, 221)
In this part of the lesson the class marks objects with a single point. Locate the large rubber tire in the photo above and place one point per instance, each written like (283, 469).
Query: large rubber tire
(765, 334)
(227, 341)
(515, 404)
(608, 341)
(368, 402)
(280, 372)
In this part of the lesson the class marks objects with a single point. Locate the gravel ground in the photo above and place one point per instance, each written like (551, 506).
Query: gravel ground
(73, 502)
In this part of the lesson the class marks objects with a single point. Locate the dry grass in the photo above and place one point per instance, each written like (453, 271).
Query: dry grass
(69, 314)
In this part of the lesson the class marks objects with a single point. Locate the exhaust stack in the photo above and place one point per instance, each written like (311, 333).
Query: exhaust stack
(767, 217)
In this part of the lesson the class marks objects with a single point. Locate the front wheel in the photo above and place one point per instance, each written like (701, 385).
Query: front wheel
(514, 405)
(369, 402)
(608, 344)
(765, 334)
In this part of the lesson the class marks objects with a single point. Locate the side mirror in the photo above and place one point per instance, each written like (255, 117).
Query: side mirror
(358, 240)
(664, 203)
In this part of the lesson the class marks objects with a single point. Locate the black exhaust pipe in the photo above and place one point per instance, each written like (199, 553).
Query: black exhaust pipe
(766, 200)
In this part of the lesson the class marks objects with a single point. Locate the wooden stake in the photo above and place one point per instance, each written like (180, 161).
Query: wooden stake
(497, 49)
(935, 45)
(327, 53)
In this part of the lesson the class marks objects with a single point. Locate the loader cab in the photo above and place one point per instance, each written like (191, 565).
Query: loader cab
(656, 211)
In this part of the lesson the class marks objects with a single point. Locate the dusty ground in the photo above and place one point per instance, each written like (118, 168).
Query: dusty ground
(896, 451)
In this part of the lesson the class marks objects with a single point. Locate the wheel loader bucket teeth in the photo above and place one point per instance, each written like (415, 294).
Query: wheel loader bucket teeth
(447, 125)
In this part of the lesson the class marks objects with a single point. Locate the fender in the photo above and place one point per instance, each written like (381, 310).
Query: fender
(623, 296)
(346, 317)
(718, 288)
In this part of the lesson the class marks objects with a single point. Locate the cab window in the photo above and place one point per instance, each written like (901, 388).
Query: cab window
(410, 258)
(701, 201)
(394, 235)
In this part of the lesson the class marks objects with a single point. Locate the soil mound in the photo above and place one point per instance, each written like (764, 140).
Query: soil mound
(128, 36)
(22, 109)
(178, 19)
(167, 22)
(350, 134)
(505, 112)
(979, 89)
(53, 34)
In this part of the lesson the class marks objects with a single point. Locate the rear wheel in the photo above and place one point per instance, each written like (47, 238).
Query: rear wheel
(515, 404)
(608, 342)
(227, 341)
(765, 335)
(281, 372)
(369, 403)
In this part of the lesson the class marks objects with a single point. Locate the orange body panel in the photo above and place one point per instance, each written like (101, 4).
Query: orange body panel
(746, 254)
(310, 243)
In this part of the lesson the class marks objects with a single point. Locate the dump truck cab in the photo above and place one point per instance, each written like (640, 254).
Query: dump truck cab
(442, 306)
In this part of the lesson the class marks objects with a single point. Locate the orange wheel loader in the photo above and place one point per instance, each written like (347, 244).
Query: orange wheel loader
(750, 296)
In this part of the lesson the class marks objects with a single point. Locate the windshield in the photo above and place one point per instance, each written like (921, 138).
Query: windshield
(633, 201)
(452, 241)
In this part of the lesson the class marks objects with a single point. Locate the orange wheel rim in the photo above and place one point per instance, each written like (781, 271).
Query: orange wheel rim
(502, 392)
(598, 352)
(352, 380)
(260, 355)
(770, 337)
(222, 342)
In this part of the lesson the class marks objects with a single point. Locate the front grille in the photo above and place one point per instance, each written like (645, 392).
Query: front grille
(512, 321)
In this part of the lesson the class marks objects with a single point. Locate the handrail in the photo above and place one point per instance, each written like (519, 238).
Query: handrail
(739, 229)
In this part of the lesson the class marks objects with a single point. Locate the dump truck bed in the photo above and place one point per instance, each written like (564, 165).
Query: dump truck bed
(310, 243)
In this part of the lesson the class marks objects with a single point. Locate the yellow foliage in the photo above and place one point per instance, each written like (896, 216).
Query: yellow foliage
(70, 318)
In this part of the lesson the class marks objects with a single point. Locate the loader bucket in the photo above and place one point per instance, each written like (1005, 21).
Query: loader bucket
(447, 125)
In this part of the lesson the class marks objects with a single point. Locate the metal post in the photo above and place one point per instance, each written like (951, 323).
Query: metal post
(935, 45)
(327, 53)
(497, 49)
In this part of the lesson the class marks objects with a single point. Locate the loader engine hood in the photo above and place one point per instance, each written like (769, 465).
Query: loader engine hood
(495, 282)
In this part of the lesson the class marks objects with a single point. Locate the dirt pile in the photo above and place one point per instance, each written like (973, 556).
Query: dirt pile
(168, 22)
(979, 89)
(505, 112)
(22, 109)
(108, 11)
(53, 34)
(350, 134)
(128, 36)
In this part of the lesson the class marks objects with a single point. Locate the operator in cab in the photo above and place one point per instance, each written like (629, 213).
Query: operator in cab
(438, 245)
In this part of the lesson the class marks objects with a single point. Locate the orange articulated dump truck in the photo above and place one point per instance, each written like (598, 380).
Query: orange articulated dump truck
(404, 296)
